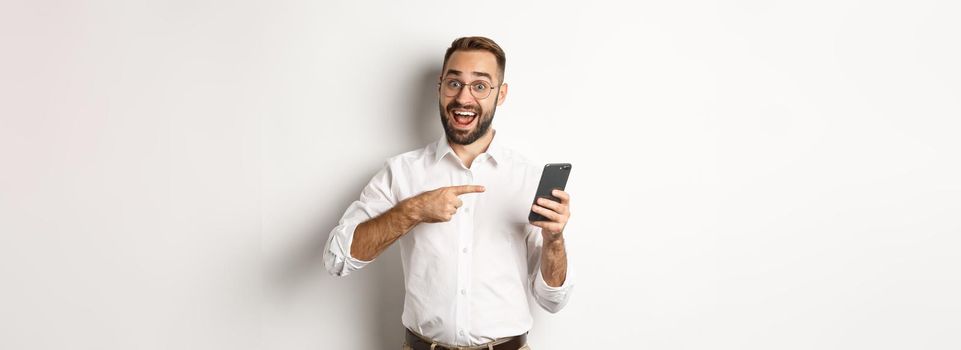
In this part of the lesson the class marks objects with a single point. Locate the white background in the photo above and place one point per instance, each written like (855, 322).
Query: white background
(747, 174)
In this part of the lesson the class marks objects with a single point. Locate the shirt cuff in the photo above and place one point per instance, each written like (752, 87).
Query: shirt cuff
(354, 263)
(337, 258)
(553, 299)
(541, 284)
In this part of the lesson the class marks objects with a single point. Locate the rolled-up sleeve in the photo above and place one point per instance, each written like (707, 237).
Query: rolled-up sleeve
(375, 199)
(552, 299)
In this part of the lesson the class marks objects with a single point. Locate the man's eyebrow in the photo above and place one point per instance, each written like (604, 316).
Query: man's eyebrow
(488, 76)
(482, 74)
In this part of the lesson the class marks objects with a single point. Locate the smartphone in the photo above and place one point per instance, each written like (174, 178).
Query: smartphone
(554, 177)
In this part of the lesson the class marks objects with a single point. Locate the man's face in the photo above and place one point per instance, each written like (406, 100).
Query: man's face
(465, 117)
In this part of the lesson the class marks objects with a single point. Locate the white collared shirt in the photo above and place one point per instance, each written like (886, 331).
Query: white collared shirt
(467, 280)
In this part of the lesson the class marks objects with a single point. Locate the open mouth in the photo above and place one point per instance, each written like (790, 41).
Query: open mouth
(463, 119)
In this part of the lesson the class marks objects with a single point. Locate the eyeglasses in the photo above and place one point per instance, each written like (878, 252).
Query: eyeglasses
(479, 89)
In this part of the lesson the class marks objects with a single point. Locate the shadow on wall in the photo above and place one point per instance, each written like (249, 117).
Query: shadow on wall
(384, 277)
(425, 125)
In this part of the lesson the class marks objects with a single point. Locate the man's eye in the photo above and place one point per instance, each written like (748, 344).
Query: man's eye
(454, 84)
(480, 87)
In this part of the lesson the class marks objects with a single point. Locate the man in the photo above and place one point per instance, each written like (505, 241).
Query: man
(459, 209)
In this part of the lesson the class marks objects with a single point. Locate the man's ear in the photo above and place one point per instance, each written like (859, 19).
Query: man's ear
(502, 94)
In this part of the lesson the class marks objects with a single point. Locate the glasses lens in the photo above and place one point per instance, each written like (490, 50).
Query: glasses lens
(480, 89)
(451, 87)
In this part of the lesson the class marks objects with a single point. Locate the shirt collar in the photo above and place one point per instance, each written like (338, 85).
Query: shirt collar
(442, 148)
(495, 151)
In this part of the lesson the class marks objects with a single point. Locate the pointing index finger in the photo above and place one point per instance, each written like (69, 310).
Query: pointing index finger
(464, 189)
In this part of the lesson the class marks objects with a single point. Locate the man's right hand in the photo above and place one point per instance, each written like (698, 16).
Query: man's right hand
(441, 204)
(373, 236)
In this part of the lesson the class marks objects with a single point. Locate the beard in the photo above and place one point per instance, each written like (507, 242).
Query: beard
(465, 138)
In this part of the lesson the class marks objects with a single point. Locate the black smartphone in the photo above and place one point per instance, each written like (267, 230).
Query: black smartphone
(554, 177)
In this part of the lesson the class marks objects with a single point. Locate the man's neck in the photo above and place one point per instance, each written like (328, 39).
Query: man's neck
(467, 153)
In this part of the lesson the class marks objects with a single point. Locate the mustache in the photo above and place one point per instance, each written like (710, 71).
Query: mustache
(454, 105)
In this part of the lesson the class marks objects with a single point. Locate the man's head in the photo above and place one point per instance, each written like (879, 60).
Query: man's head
(471, 86)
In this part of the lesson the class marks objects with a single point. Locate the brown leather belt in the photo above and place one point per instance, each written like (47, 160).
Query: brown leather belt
(511, 343)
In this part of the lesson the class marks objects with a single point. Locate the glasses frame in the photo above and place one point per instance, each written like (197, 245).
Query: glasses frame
(441, 86)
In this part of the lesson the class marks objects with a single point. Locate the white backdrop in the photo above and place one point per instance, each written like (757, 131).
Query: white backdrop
(748, 174)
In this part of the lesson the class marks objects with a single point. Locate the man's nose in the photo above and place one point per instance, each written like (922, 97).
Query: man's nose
(464, 95)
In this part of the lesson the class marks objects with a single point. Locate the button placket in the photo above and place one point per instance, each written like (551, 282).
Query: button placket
(465, 261)
(465, 237)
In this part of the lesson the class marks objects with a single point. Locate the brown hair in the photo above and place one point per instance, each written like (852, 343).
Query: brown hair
(469, 43)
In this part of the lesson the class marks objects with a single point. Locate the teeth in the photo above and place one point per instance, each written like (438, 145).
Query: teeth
(465, 113)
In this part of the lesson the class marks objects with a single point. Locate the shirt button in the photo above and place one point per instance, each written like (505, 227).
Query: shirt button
(463, 292)
(467, 210)
(461, 332)
(464, 250)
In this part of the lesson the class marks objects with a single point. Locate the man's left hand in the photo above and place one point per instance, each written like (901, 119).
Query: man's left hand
(557, 212)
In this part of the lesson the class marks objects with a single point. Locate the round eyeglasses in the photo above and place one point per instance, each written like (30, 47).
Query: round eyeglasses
(479, 89)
